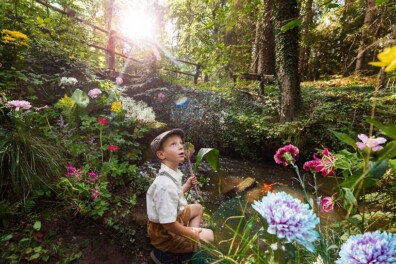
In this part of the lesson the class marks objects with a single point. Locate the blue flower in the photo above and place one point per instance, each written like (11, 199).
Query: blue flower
(288, 218)
(378, 247)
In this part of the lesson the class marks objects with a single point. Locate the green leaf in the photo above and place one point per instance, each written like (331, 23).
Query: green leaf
(332, 5)
(388, 130)
(392, 166)
(377, 169)
(37, 225)
(35, 256)
(349, 197)
(379, 2)
(211, 155)
(356, 220)
(345, 138)
(292, 24)
(80, 98)
(389, 151)
(5, 238)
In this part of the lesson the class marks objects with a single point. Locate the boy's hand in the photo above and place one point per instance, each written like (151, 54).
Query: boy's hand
(192, 181)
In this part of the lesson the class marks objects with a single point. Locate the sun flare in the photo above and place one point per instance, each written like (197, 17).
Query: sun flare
(138, 25)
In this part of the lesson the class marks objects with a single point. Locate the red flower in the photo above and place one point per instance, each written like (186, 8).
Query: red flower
(102, 121)
(112, 148)
(312, 164)
(286, 155)
(325, 165)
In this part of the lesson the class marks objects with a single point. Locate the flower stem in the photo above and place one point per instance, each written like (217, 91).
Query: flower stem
(101, 146)
(192, 173)
(302, 184)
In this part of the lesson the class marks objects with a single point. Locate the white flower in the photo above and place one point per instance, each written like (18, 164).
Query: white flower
(137, 110)
(68, 81)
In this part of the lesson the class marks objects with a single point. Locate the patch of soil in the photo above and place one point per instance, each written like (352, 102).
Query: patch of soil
(100, 244)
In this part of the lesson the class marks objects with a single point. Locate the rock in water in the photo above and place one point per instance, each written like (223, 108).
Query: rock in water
(242, 186)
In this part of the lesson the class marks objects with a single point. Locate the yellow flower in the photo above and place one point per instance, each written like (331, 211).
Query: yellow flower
(14, 37)
(387, 58)
(15, 34)
(66, 102)
(116, 107)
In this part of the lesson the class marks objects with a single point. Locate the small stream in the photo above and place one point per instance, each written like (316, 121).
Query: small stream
(222, 206)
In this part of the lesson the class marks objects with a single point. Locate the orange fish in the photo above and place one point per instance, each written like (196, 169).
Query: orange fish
(270, 187)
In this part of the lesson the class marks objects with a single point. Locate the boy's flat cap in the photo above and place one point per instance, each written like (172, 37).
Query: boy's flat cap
(158, 140)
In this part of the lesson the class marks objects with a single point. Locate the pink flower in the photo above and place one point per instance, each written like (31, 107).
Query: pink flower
(73, 172)
(93, 176)
(311, 165)
(112, 148)
(94, 193)
(102, 121)
(286, 155)
(160, 97)
(327, 204)
(94, 93)
(119, 80)
(326, 164)
(17, 104)
(371, 143)
(178, 86)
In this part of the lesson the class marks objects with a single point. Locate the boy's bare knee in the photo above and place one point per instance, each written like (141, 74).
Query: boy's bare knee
(207, 235)
(197, 209)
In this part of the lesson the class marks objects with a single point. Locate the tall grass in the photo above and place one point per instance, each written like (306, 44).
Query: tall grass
(27, 161)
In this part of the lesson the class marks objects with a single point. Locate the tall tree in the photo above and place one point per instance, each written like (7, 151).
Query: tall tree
(363, 54)
(305, 43)
(267, 54)
(286, 43)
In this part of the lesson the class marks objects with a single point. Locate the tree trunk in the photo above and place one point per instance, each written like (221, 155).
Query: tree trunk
(267, 54)
(256, 48)
(286, 43)
(362, 56)
(305, 45)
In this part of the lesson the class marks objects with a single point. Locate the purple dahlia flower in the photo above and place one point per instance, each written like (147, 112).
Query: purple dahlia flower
(288, 218)
(377, 247)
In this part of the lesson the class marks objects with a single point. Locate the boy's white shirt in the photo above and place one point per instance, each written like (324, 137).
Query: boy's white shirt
(165, 199)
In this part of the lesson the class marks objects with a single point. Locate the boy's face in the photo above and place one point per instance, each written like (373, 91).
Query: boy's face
(172, 151)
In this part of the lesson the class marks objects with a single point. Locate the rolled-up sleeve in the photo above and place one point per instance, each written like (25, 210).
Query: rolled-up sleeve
(166, 201)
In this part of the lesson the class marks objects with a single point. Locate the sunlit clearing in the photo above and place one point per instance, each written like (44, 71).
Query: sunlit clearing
(138, 25)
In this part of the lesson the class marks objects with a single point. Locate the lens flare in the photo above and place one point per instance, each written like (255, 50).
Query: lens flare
(181, 101)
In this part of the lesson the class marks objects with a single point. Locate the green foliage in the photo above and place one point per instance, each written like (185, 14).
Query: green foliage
(211, 155)
(28, 159)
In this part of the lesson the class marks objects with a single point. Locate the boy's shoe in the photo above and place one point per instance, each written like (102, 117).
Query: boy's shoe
(160, 257)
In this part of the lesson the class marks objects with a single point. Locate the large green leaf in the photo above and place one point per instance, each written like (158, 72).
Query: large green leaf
(211, 155)
(345, 138)
(389, 151)
(292, 24)
(377, 169)
(388, 130)
(80, 98)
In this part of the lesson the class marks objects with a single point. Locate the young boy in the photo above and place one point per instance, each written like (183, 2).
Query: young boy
(173, 225)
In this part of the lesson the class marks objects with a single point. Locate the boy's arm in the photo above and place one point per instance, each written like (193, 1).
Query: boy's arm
(182, 230)
(189, 183)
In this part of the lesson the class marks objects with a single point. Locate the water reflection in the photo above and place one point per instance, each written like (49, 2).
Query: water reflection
(224, 205)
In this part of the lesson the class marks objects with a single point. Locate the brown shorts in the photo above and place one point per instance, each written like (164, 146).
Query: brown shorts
(167, 241)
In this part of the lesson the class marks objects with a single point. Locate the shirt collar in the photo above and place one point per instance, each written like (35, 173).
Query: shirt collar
(177, 175)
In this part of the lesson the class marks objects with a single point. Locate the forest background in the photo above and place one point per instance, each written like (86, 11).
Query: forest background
(288, 71)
